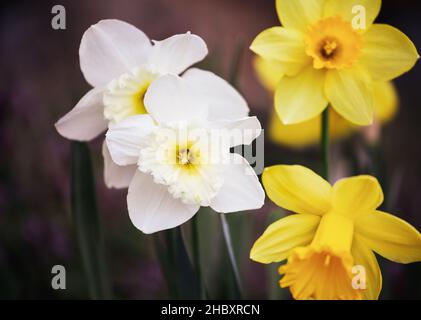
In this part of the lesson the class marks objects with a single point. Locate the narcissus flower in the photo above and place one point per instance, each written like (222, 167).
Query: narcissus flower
(330, 52)
(335, 229)
(182, 151)
(120, 62)
(307, 133)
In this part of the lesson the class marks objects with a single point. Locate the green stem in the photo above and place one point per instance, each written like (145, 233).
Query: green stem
(166, 262)
(196, 257)
(324, 143)
(228, 243)
(87, 221)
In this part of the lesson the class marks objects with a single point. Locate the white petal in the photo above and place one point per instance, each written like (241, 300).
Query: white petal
(86, 120)
(175, 54)
(152, 208)
(225, 101)
(241, 189)
(111, 48)
(125, 139)
(116, 176)
(239, 132)
(171, 99)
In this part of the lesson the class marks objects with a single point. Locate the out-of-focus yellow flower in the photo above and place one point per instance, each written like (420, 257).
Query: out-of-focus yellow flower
(308, 132)
(330, 52)
(336, 228)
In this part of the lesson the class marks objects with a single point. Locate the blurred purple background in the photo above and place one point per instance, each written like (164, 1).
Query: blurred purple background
(41, 81)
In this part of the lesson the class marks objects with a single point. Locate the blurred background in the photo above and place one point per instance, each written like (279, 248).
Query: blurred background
(41, 80)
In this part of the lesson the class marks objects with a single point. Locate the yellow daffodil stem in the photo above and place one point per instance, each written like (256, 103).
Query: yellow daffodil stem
(230, 250)
(324, 143)
(196, 256)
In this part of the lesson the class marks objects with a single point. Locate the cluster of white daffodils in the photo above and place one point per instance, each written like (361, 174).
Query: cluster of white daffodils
(169, 137)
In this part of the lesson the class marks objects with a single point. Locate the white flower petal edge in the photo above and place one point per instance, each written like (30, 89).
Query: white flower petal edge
(111, 48)
(116, 176)
(173, 99)
(125, 139)
(86, 120)
(152, 208)
(175, 54)
(241, 189)
(241, 131)
(225, 101)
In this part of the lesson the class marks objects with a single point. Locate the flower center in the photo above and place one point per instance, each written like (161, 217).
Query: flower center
(323, 269)
(329, 48)
(182, 158)
(333, 43)
(124, 96)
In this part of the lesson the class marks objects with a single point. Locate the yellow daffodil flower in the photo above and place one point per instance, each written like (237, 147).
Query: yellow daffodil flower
(307, 133)
(330, 52)
(336, 228)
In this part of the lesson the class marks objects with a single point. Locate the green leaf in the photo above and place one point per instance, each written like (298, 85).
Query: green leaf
(87, 222)
(187, 285)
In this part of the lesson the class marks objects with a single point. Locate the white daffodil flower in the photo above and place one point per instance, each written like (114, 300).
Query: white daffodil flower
(182, 151)
(120, 62)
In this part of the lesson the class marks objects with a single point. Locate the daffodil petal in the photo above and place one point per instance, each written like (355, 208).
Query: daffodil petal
(390, 237)
(116, 176)
(356, 195)
(175, 54)
(386, 100)
(111, 48)
(241, 131)
(298, 14)
(300, 98)
(297, 188)
(364, 256)
(181, 102)
(307, 133)
(283, 45)
(387, 52)
(225, 102)
(125, 139)
(241, 189)
(269, 72)
(86, 120)
(283, 235)
(350, 93)
(350, 9)
(152, 208)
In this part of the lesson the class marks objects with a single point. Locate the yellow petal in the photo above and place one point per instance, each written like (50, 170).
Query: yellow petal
(297, 188)
(269, 72)
(283, 45)
(364, 256)
(356, 195)
(387, 52)
(350, 93)
(298, 14)
(349, 9)
(282, 236)
(389, 236)
(307, 133)
(385, 97)
(300, 98)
